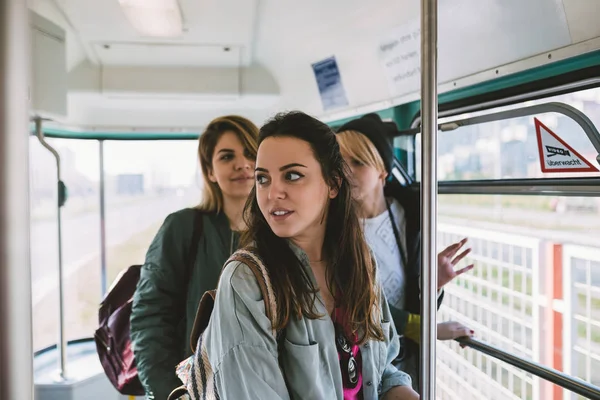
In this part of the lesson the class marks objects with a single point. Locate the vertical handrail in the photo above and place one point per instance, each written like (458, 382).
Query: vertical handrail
(103, 273)
(429, 104)
(16, 349)
(62, 340)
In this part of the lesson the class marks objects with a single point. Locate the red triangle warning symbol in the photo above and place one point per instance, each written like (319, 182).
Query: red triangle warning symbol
(556, 155)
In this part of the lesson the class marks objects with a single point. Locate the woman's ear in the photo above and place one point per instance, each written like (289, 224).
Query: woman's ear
(334, 190)
(383, 176)
(211, 175)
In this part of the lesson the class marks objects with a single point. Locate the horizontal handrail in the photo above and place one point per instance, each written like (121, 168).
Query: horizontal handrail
(575, 385)
(584, 187)
(580, 187)
(553, 107)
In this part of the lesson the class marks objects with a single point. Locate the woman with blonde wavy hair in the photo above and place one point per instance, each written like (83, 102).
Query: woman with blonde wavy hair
(390, 220)
(186, 256)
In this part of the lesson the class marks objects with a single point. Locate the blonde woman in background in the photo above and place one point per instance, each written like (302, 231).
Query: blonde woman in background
(392, 229)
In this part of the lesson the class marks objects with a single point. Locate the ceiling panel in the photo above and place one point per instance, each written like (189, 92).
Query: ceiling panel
(223, 23)
(220, 21)
(211, 21)
(583, 19)
(285, 37)
(161, 55)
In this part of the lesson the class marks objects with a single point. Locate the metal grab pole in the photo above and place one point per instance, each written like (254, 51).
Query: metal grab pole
(103, 273)
(429, 105)
(16, 349)
(62, 339)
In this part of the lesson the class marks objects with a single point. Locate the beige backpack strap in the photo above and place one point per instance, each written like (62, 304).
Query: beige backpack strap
(207, 302)
(255, 264)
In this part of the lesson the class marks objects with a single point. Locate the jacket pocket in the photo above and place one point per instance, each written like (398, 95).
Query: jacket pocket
(306, 378)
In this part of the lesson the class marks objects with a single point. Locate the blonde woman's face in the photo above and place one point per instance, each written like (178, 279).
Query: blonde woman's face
(367, 182)
(232, 167)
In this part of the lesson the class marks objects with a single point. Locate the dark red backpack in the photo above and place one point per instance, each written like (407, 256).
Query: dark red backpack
(113, 342)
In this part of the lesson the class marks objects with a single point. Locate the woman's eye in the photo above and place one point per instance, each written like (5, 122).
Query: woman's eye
(261, 179)
(356, 162)
(293, 176)
(227, 157)
(249, 155)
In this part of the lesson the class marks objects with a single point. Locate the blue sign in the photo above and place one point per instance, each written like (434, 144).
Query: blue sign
(330, 85)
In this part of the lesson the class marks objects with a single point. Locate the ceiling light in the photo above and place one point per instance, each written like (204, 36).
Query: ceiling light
(157, 18)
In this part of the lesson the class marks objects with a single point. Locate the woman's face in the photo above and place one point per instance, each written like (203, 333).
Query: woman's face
(232, 167)
(367, 182)
(290, 189)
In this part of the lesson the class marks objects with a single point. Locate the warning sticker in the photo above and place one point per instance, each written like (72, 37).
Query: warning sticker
(556, 155)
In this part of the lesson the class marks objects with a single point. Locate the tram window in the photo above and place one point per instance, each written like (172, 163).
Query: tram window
(508, 149)
(144, 182)
(80, 239)
(535, 291)
(167, 178)
(404, 147)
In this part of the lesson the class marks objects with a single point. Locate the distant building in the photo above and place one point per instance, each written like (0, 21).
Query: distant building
(514, 159)
(130, 184)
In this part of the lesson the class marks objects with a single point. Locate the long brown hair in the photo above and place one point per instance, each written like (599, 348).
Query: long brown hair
(247, 132)
(350, 268)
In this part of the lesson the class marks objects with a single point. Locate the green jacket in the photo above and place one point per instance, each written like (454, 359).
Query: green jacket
(162, 312)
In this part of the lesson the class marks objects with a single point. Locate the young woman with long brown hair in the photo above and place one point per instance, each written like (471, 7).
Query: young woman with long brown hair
(337, 339)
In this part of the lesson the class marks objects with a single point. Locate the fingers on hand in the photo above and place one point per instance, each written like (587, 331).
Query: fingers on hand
(464, 331)
(468, 333)
(450, 250)
(461, 256)
(454, 248)
(465, 269)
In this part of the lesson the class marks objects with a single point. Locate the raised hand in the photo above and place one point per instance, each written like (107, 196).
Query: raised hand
(447, 261)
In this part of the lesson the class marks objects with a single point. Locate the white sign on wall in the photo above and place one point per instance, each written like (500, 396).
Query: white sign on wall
(400, 56)
(468, 45)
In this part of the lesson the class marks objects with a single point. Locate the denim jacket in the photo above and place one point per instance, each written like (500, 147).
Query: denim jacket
(243, 351)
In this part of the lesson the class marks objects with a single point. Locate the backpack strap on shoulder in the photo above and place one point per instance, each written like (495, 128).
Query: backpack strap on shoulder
(190, 371)
(206, 305)
(197, 232)
(253, 261)
(203, 313)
